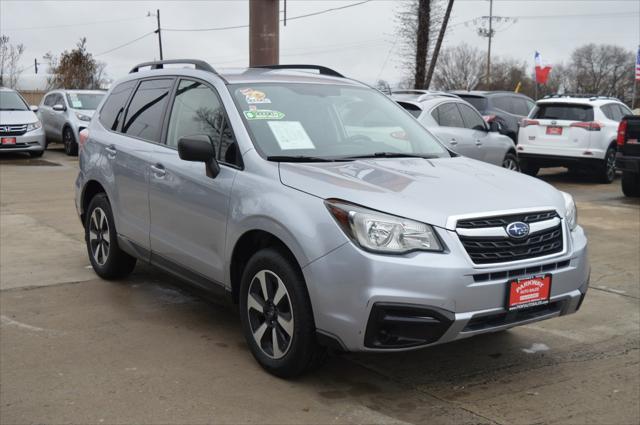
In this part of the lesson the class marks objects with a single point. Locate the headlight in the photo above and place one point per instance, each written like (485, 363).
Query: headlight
(83, 117)
(34, 126)
(571, 212)
(379, 232)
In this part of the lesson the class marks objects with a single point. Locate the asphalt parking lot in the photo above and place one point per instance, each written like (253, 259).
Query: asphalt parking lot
(76, 349)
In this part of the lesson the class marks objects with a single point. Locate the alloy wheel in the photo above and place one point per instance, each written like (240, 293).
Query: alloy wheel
(611, 165)
(99, 240)
(66, 138)
(270, 314)
(510, 164)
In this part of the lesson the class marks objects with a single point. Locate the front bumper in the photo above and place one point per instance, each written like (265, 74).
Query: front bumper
(28, 142)
(349, 286)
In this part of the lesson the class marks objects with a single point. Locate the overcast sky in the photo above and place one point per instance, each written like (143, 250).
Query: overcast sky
(359, 41)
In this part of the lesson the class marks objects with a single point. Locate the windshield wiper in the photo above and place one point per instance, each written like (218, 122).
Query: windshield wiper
(392, 155)
(12, 109)
(302, 158)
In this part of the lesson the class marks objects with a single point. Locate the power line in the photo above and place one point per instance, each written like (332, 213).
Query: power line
(292, 18)
(73, 25)
(125, 44)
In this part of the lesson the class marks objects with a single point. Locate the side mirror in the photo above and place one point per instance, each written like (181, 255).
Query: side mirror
(199, 148)
(33, 108)
(494, 126)
(58, 107)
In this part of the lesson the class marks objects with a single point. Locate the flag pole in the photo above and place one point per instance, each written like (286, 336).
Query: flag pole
(633, 99)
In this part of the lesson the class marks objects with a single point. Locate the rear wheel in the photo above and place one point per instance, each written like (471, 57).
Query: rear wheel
(69, 140)
(510, 162)
(276, 315)
(106, 257)
(606, 172)
(631, 184)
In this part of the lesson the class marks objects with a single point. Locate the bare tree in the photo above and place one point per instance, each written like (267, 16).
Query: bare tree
(603, 69)
(459, 68)
(76, 69)
(10, 55)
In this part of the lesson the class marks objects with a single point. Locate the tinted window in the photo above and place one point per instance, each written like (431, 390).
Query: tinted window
(504, 103)
(471, 118)
(564, 111)
(11, 101)
(146, 110)
(50, 100)
(113, 108)
(411, 108)
(480, 103)
(449, 116)
(520, 106)
(625, 110)
(530, 105)
(607, 110)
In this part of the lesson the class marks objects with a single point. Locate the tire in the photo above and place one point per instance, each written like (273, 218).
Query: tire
(510, 162)
(36, 154)
(290, 318)
(631, 184)
(606, 172)
(529, 169)
(107, 259)
(69, 141)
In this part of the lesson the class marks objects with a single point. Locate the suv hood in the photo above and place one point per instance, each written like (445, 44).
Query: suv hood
(17, 117)
(425, 190)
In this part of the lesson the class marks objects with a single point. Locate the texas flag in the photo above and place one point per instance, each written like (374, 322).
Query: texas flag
(542, 70)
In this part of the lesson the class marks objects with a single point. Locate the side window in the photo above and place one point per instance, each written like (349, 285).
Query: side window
(111, 112)
(607, 111)
(624, 110)
(520, 106)
(449, 116)
(57, 100)
(48, 101)
(530, 105)
(471, 118)
(145, 113)
(197, 111)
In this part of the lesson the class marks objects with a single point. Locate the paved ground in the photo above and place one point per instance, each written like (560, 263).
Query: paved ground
(76, 349)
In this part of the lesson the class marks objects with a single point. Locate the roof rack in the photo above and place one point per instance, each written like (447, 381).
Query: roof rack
(199, 64)
(425, 94)
(580, 96)
(323, 70)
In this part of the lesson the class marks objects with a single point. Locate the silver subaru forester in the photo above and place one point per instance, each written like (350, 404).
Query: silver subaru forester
(321, 207)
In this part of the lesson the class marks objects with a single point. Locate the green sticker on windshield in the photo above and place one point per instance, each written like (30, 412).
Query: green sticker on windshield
(263, 114)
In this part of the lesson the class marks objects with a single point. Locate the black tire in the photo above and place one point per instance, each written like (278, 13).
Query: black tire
(606, 172)
(109, 261)
(69, 141)
(529, 169)
(298, 351)
(36, 154)
(510, 162)
(631, 184)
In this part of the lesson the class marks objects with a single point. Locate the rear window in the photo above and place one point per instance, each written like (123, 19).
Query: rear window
(411, 108)
(480, 103)
(563, 111)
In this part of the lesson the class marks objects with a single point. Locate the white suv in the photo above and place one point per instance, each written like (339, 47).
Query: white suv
(571, 131)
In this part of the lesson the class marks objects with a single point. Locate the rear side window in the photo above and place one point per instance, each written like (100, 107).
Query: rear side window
(471, 118)
(480, 103)
(607, 110)
(145, 113)
(447, 115)
(111, 112)
(520, 106)
(504, 103)
(624, 110)
(564, 111)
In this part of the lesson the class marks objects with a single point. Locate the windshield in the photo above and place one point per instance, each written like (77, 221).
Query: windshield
(87, 101)
(330, 121)
(11, 101)
(480, 103)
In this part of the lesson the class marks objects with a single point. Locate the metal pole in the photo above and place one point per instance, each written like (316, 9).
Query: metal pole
(633, 99)
(264, 32)
(490, 35)
(159, 34)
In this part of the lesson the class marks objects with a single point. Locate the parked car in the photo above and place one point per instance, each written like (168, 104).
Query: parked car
(20, 129)
(628, 155)
(573, 132)
(507, 108)
(326, 211)
(460, 127)
(65, 113)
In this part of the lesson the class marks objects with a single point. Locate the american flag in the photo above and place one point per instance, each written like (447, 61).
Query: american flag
(638, 65)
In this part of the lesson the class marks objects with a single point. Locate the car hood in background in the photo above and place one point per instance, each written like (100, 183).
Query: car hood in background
(426, 190)
(17, 117)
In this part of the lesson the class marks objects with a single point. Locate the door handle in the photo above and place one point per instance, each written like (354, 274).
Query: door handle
(158, 170)
(453, 142)
(478, 142)
(111, 151)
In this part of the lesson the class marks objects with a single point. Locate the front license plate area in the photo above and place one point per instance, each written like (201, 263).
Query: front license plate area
(528, 292)
(554, 131)
(8, 140)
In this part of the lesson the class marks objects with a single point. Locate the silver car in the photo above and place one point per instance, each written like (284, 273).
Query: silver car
(460, 126)
(65, 113)
(20, 128)
(326, 211)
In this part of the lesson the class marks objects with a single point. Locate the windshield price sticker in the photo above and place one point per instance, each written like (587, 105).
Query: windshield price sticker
(290, 135)
(263, 114)
(252, 96)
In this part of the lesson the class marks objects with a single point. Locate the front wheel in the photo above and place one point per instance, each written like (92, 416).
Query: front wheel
(510, 162)
(630, 184)
(276, 315)
(606, 172)
(70, 144)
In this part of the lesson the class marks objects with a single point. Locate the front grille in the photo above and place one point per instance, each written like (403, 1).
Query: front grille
(528, 271)
(477, 223)
(513, 317)
(12, 130)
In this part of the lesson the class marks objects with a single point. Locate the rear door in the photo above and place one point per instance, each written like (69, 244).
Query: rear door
(486, 148)
(561, 126)
(452, 130)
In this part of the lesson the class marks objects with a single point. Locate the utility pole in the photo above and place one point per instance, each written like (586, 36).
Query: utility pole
(264, 32)
(157, 31)
(35, 64)
(490, 36)
(422, 43)
(436, 49)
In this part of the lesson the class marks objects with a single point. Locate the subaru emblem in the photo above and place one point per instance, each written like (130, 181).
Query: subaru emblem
(517, 229)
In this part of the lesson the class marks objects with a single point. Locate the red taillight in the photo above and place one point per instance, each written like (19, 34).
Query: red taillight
(489, 118)
(84, 136)
(526, 122)
(589, 126)
(622, 132)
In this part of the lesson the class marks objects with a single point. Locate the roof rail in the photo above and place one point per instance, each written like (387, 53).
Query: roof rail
(323, 70)
(199, 64)
(580, 96)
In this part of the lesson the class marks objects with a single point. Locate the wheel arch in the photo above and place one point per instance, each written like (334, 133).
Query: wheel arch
(90, 190)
